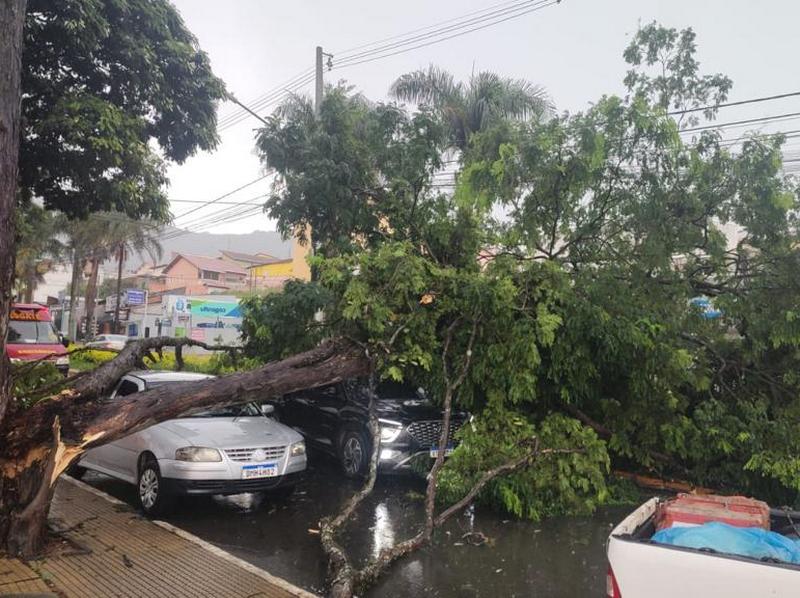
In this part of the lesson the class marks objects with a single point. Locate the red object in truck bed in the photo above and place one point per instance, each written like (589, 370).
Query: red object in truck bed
(690, 509)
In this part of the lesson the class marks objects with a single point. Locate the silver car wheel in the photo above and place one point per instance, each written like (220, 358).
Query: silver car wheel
(352, 455)
(148, 488)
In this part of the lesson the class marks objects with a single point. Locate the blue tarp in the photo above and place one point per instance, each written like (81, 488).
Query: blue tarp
(752, 542)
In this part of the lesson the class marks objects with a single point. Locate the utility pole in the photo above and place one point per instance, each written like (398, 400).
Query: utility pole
(319, 84)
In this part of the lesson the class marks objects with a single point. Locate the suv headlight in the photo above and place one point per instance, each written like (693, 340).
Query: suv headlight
(298, 449)
(62, 361)
(197, 454)
(390, 430)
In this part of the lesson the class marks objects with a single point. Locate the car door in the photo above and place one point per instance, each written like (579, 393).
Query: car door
(115, 457)
(327, 404)
(124, 452)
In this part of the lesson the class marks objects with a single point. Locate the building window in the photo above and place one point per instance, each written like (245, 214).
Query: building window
(209, 275)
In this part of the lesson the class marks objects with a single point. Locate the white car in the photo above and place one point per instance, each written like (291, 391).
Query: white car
(228, 450)
(108, 341)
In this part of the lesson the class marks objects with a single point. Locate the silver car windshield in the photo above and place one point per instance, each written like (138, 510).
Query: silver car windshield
(238, 410)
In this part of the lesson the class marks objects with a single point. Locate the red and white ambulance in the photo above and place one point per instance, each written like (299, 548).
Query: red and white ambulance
(32, 336)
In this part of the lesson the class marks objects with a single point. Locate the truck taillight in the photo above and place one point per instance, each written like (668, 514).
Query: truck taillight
(612, 588)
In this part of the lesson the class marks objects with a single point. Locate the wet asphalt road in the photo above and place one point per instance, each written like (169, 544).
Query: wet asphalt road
(560, 557)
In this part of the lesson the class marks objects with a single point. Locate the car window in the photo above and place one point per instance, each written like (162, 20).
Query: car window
(126, 387)
(30, 331)
(241, 410)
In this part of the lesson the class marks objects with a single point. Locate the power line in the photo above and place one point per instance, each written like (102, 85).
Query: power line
(275, 98)
(223, 196)
(541, 4)
(265, 98)
(739, 103)
(462, 23)
(427, 27)
(482, 19)
(737, 123)
(219, 203)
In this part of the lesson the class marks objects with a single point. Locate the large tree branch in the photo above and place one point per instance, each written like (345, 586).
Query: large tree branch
(88, 420)
(340, 571)
(372, 570)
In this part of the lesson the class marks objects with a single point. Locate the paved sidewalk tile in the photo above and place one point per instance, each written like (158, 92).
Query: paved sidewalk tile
(17, 578)
(118, 553)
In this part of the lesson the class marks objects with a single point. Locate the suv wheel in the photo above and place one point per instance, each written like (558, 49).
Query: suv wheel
(153, 497)
(354, 454)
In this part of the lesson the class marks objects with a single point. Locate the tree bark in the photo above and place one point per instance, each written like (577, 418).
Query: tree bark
(91, 295)
(39, 443)
(77, 268)
(12, 19)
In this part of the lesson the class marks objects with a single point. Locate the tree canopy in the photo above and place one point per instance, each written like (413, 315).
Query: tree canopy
(102, 81)
(578, 248)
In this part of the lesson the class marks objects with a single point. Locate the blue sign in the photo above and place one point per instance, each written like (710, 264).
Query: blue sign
(706, 307)
(134, 297)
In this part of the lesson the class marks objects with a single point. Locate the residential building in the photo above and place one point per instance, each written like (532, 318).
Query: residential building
(245, 260)
(274, 272)
(199, 275)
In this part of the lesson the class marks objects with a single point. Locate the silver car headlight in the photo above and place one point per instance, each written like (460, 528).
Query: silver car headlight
(390, 430)
(298, 449)
(197, 454)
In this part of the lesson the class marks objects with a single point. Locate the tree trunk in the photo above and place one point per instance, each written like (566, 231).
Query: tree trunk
(12, 18)
(39, 443)
(77, 268)
(30, 287)
(91, 295)
(120, 261)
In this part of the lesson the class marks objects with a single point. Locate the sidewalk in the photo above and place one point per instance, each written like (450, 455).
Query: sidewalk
(117, 552)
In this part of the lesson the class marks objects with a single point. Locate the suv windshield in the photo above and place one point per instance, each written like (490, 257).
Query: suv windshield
(398, 390)
(31, 331)
(239, 410)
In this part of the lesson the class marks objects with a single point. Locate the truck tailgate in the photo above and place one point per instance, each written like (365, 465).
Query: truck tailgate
(645, 570)
(651, 571)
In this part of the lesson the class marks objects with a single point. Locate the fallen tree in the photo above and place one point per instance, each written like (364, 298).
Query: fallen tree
(344, 579)
(39, 443)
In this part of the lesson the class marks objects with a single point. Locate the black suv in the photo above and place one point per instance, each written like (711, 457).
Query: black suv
(335, 419)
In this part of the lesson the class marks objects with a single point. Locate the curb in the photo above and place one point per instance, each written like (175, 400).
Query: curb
(215, 550)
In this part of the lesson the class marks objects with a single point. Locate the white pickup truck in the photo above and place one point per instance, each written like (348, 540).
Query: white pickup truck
(639, 568)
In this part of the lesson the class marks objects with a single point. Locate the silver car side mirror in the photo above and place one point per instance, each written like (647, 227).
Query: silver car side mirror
(267, 409)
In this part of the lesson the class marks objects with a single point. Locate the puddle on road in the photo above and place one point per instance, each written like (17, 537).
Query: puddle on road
(560, 557)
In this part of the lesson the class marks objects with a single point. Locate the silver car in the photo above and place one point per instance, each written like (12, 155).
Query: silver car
(229, 450)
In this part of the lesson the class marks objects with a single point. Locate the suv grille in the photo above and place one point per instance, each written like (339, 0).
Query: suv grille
(246, 454)
(427, 433)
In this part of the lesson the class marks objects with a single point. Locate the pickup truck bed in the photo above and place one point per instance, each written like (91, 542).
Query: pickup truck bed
(639, 568)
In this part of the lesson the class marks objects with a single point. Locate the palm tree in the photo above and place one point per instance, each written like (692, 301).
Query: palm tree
(472, 106)
(133, 236)
(103, 236)
(38, 249)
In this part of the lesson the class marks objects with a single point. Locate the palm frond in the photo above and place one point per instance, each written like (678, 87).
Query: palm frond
(432, 86)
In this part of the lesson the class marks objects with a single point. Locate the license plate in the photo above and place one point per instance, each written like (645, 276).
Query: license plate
(447, 452)
(259, 470)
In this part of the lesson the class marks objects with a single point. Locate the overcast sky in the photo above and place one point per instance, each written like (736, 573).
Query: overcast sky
(573, 49)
